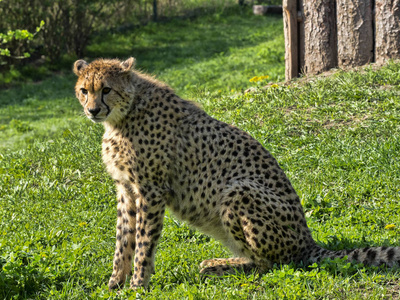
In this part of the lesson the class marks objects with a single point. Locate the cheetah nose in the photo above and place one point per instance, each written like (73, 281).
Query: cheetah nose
(94, 111)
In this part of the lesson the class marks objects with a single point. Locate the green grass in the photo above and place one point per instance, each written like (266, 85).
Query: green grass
(37, 112)
(337, 139)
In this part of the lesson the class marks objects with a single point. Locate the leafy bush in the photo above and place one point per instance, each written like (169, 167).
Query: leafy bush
(70, 23)
(18, 35)
(20, 39)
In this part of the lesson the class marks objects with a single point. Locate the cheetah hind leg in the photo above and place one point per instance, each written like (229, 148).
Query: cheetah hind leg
(224, 266)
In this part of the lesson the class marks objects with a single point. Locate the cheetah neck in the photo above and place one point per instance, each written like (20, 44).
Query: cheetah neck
(144, 90)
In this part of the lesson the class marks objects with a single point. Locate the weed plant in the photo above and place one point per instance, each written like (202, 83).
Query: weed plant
(337, 139)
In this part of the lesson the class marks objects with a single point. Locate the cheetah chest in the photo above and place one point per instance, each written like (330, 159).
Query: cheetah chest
(119, 160)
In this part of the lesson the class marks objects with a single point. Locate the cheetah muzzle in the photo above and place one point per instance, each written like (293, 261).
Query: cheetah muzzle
(163, 151)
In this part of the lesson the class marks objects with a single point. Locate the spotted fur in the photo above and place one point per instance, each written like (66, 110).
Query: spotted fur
(163, 151)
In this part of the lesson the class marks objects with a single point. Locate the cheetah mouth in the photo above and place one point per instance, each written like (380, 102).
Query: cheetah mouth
(97, 119)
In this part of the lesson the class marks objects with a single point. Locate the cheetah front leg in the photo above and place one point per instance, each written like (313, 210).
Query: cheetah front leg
(125, 238)
(223, 266)
(149, 223)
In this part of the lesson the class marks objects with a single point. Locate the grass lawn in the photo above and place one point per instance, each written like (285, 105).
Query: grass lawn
(337, 139)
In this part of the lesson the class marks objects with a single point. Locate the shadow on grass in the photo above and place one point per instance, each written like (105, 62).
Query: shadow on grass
(55, 87)
(158, 46)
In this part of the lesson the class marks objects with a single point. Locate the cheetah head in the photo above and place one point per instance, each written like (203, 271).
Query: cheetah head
(104, 88)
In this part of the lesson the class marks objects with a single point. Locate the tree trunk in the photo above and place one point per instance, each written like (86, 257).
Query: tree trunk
(387, 30)
(291, 39)
(155, 10)
(355, 33)
(318, 33)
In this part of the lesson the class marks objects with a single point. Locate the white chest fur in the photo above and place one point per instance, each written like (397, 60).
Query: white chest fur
(117, 156)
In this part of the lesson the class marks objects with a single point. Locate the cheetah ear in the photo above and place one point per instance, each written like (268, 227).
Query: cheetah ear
(128, 64)
(79, 66)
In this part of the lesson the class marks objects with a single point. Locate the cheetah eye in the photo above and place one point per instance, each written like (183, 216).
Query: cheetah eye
(83, 91)
(106, 90)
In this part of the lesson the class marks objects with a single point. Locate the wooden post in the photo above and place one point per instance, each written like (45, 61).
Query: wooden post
(387, 30)
(355, 33)
(320, 35)
(301, 38)
(291, 39)
(323, 34)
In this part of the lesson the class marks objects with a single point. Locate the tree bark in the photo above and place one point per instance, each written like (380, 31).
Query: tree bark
(323, 34)
(355, 33)
(319, 35)
(291, 39)
(387, 30)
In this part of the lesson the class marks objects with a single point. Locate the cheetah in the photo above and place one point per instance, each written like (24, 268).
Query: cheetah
(163, 151)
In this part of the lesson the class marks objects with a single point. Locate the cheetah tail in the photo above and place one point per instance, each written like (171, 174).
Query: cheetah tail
(374, 256)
